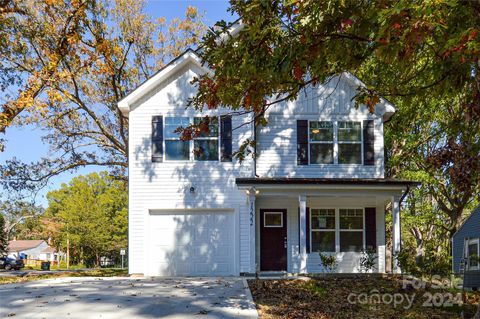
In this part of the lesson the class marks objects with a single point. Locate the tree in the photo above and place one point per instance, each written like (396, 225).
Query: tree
(90, 212)
(71, 62)
(3, 237)
(422, 56)
(22, 219)
(410, 49)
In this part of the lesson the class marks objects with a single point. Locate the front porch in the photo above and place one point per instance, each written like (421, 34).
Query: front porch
(291, 220)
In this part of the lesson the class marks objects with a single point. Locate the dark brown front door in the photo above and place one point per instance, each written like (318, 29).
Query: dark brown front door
(273, 239)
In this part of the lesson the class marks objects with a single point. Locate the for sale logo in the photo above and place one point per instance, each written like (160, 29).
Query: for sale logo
(406, 300)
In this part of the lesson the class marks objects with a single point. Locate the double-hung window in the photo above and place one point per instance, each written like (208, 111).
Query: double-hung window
(472, 253)
(349, 143)
(337, 230)
(322, 223)
(321, 142)
(175, 148)
(335, 142)
(205, 146)
(351, 230)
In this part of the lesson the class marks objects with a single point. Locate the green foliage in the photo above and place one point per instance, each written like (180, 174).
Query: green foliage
(91, 213)
(22, 219)
(328, 262)
(368, 261)
(435, 261)
(3, 237)
(65, 65)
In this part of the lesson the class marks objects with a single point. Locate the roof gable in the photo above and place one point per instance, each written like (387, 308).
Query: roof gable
(188, 57)
(475, 212)
(16, 245)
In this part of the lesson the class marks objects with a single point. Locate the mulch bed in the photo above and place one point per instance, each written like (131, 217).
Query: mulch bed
(329, 297)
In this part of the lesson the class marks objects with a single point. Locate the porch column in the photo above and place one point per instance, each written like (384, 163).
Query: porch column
(397, 237)
(251, 220)
(302, 201)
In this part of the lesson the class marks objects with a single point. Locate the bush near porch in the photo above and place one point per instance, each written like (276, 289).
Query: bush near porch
(327, 298)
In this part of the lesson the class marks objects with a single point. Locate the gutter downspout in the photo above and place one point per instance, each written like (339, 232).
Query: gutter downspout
(255, 149)
(399, 207)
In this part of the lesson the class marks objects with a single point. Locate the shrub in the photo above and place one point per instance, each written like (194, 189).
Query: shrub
(328, 262)
(368, 261)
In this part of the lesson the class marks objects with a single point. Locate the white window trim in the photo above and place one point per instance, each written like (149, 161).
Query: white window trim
(272, 213)
(191, 156)
(336, 142)
(165, 139)
(337, 229)
(352, 142)
(333, 142)
(207, 138)
(467, 243)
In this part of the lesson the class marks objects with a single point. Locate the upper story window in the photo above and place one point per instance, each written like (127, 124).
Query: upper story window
(335, 142)
(321, 142)
(176, 149)
(349, 143)
(205, 146)
(213, 144)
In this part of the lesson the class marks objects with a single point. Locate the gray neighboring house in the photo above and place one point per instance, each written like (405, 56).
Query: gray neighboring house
(465, 242)
(31, 249)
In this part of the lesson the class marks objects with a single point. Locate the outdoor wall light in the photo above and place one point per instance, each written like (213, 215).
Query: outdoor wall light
(192, 189)
(252, 191)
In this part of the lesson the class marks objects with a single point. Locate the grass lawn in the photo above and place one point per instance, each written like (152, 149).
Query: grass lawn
(365, 297)
(101, 272)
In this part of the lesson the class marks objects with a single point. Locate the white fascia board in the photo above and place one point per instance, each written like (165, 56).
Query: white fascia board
(232, 31)
(288, 188)
(188, 57)
(384, 108)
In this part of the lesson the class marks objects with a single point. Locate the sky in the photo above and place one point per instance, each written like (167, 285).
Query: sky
(25, 143)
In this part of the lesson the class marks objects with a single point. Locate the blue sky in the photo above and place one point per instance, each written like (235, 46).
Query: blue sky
(25, 142)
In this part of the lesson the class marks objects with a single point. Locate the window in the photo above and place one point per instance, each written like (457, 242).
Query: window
(176, 149)
(351, 230)
(472, 253)
(321, 142)
(330, 143)
(273, 219)
(205, 147)
(322, 227)
(337, 230)
(349, 143)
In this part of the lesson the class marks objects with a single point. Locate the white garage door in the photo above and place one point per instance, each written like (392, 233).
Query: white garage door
(191, 243)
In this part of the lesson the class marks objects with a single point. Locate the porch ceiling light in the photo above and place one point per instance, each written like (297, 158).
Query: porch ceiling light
(252, 191)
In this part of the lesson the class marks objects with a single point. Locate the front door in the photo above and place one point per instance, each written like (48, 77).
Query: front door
(273, 239)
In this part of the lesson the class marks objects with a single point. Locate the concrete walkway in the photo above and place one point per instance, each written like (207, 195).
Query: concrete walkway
(88, 297)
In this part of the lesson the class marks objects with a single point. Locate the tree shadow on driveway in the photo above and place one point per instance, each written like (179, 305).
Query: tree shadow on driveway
(127, 298)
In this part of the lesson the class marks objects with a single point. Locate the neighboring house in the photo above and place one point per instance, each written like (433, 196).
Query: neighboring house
(32, 249)
(317, 184)
(465, 244)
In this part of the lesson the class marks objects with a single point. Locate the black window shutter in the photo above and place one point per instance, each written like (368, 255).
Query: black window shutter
(370, 228)
(157, 138)
(368, 142)
(302, 142)
(308, 230)
(226, 138)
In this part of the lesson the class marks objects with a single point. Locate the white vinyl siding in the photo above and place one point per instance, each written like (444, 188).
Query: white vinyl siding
(167, 184)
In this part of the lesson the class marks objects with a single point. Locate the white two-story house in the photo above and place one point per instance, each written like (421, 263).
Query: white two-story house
(317, 183)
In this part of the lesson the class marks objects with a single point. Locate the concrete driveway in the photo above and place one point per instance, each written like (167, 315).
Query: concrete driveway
(128, 298)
